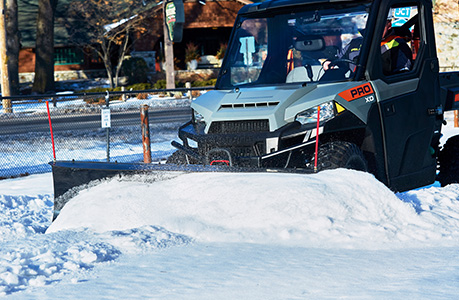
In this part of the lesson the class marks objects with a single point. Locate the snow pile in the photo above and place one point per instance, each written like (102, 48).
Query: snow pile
(28, 258)
(39, 260)
(338, 208)
(438, 209)
(209, 212)
(23, 215)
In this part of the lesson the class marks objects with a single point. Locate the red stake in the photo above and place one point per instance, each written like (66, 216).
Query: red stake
(317, 139)
(51, 129)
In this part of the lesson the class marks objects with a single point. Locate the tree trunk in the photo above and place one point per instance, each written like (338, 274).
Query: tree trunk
(5, 82)
(44, 55)
(105, 56)
(12, 44)
(122, 54)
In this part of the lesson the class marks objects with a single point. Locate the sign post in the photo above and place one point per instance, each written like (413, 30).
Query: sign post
(106, 122)
(174, 18)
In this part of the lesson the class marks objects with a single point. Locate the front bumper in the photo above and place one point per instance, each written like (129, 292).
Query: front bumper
(249, 145)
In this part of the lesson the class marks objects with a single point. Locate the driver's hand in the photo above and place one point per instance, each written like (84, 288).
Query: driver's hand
(326, 65)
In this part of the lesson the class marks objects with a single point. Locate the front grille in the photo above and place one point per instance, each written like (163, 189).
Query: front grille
(239, 126)
(256, 149)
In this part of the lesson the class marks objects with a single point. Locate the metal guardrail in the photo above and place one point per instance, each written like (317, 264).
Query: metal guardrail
(25, 139)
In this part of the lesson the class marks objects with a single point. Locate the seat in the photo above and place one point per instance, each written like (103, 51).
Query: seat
(300, 74)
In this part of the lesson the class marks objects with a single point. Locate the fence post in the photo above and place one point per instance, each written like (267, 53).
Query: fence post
(7, 105)
(188, 86)
(145, 133)
(123, 97)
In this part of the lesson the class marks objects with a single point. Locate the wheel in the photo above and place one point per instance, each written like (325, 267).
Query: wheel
(180, 158)
(340, 154)
(339, 61)
(449, 162)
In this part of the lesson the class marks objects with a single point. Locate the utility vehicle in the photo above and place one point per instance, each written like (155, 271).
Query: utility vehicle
(286, 99)
(263, 111)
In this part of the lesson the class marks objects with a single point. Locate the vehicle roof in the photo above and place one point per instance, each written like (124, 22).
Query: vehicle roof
(271, 4)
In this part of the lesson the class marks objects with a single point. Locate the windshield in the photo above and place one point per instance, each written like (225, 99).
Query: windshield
(295, 47)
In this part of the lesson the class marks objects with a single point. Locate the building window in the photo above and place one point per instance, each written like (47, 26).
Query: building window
(68, 56)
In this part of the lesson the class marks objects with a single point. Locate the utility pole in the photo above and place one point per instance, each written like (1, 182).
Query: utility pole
(6, 90)
(168, 53)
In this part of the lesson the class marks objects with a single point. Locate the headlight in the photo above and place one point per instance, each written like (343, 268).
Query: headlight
(197, 117)
(327, 111)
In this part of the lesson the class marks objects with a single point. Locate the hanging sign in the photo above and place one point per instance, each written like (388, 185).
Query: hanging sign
(105, 118)
(174, 16)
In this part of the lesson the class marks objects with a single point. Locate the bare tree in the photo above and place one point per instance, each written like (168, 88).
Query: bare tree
(12, 44)
(108, 27)
(9, 52)
(44, 50)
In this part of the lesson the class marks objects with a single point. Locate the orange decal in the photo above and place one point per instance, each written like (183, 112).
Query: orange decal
(357, 92)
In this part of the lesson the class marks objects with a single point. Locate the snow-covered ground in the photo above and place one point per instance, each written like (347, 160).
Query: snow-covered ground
(332, 235)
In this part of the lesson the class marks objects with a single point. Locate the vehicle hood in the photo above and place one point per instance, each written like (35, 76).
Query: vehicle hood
(278, 105)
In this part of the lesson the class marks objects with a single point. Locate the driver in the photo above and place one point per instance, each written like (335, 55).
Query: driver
(396, 54)
(351, 51)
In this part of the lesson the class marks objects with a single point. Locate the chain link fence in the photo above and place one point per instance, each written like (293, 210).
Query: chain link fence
(25, 138)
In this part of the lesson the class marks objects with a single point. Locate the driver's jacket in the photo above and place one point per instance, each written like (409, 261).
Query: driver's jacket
(352, 51)
(395, 53)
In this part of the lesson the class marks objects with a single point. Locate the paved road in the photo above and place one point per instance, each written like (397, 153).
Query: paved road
(63, 122)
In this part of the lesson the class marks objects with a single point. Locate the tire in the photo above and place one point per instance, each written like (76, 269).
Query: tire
(449, 162)
(180, 158)
(340, 154)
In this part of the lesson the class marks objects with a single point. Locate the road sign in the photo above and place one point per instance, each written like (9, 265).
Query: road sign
(174, 16)
(105, 118)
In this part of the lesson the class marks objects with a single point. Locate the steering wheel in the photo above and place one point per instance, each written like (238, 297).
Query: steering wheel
(335, 62)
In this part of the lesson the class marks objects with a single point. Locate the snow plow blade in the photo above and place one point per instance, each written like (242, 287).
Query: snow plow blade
(70, 177)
